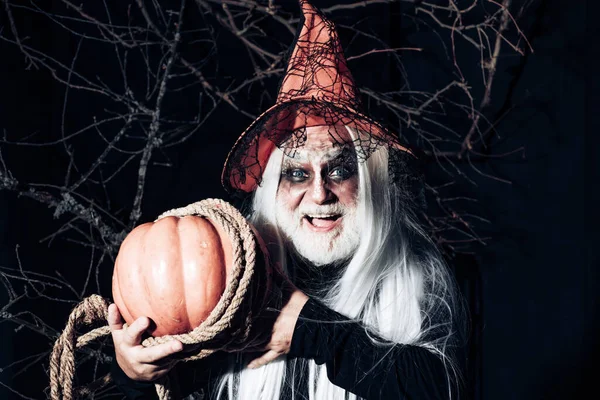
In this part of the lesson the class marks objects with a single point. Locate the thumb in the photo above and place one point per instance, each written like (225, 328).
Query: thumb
(115, 321)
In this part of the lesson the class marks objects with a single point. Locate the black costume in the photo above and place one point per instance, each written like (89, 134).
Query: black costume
(353, 363)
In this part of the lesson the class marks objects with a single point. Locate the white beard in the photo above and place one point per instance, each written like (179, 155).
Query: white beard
(320, 248)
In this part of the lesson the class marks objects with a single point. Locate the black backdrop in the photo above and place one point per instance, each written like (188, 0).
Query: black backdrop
(532, 288)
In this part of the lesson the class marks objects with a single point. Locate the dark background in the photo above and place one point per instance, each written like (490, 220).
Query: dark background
(532, 288)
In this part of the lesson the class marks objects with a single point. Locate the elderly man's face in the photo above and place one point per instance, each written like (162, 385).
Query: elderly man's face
(317, 197)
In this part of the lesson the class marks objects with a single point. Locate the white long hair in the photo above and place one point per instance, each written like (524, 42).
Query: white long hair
(396, 284)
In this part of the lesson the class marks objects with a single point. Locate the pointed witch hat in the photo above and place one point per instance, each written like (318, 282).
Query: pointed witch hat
(317, 90)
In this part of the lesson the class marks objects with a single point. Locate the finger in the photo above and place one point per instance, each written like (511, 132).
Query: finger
(158, 353)
(133, 334)
(264, 359)
(115, 321)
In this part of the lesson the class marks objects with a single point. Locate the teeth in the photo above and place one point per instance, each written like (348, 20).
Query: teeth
(321, 216)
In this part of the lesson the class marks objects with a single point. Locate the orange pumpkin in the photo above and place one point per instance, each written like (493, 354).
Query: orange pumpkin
(173, 271)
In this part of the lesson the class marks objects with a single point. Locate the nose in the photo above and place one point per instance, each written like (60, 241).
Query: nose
(320, 192)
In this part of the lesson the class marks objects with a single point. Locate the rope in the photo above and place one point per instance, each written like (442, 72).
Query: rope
(227, 326)
(62, 360)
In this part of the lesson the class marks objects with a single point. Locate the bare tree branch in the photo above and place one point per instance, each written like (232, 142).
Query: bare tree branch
(149, 64)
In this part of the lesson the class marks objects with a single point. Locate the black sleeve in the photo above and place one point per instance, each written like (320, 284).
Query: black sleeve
(357, 365)
(134, 390)
(192, 377)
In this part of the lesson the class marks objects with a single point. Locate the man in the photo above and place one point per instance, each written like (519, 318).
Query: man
(371, 311)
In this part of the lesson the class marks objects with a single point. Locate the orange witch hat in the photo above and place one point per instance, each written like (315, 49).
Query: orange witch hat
(317, 89)
(317, 68)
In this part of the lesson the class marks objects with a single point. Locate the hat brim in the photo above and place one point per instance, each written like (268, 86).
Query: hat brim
(249, 155)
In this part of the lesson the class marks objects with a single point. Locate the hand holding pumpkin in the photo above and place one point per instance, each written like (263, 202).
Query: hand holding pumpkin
(139, 362)
(170, 274)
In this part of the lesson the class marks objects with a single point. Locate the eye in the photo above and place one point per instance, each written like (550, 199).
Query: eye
(340, 173)
(295, 175)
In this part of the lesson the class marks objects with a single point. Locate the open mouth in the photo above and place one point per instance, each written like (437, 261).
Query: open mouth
(322, 222)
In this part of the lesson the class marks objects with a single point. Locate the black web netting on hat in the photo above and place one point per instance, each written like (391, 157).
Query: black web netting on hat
(317, 90)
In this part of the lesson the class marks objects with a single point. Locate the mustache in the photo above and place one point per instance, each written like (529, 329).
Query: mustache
(324, 210)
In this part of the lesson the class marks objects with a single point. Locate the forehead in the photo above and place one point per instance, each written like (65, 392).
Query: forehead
(319, 143)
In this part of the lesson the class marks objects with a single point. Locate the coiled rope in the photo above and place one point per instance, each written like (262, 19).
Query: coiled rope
(227, 326)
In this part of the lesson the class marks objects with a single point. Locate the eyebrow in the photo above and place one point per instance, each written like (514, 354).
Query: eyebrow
(338, 153)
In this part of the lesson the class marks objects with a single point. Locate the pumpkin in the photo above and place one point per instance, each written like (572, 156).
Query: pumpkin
(173, 271)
